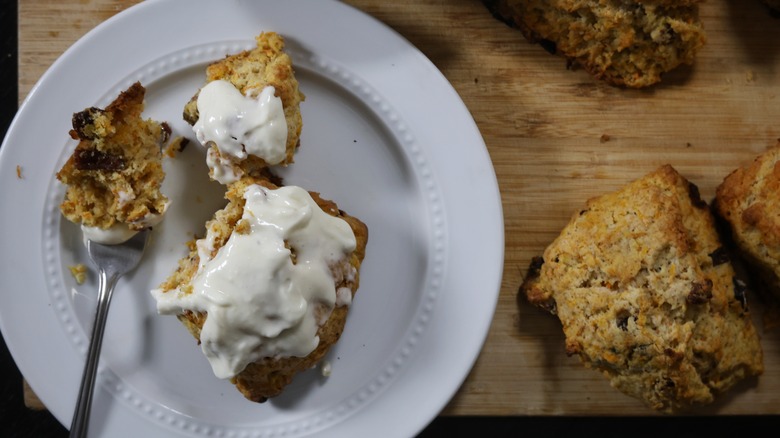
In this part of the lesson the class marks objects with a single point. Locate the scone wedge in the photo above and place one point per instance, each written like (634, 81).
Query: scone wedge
(265, 340)
(748, 200)
(251, 72)
(647, 295)
(624, 43)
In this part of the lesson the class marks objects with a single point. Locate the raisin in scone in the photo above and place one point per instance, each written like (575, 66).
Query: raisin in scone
(647, 295)
(267, 290)
(114, 175)
(748, 200)
(251, 102)
(625, 43)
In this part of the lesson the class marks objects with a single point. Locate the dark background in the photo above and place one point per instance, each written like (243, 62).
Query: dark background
(16, 420)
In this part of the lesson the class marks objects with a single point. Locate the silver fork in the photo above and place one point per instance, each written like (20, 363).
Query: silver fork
(112, 261)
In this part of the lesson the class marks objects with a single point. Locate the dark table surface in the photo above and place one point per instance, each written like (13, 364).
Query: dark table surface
(17, 420)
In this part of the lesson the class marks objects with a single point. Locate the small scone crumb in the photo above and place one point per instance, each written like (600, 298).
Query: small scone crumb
(79, 273)
(176, 146)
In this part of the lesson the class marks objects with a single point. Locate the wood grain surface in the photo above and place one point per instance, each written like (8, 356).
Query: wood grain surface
(556, 137)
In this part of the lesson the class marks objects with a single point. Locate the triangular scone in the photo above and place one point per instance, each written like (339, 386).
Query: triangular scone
(257, 310)
(748, 199)
(250, 72)
(114, 176)
(625, 43)
(647, 295)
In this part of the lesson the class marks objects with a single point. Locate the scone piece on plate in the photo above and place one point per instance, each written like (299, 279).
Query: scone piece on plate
(625, 43)
(748, 200)
(647, 295)
(267, 290)
(248, 113)
(114, 175)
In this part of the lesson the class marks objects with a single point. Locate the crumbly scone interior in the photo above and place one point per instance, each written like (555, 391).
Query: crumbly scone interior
(115, 173)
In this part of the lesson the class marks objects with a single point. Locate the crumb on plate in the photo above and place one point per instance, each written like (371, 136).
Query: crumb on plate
(79, 272)
(176, 146)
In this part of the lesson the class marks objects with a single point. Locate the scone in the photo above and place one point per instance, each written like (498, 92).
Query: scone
(253, 111)
(114, 175)
(748, 200)
(266, 292)
(647, 295)
(625, 43)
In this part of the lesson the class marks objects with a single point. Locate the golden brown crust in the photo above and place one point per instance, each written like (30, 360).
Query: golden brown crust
(268, 377)
(646, 294)
(624, 43)
(748, 200)
(115, 173)
(252, 70)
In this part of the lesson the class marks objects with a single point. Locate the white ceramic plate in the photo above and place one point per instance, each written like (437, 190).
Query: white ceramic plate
(384, 135)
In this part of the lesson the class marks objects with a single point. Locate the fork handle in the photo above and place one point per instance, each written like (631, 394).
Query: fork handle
(80, 422)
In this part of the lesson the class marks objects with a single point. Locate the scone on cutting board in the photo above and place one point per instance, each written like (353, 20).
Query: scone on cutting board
(624, 43)
(115, 173)
(748, 200)
(267, 290)
(647, 295)
(248, 113)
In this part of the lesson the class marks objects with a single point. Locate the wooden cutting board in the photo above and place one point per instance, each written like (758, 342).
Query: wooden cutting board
(545, 127)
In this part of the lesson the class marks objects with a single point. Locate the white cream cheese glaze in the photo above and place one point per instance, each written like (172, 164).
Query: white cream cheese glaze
(259, 303)
(239, 126)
